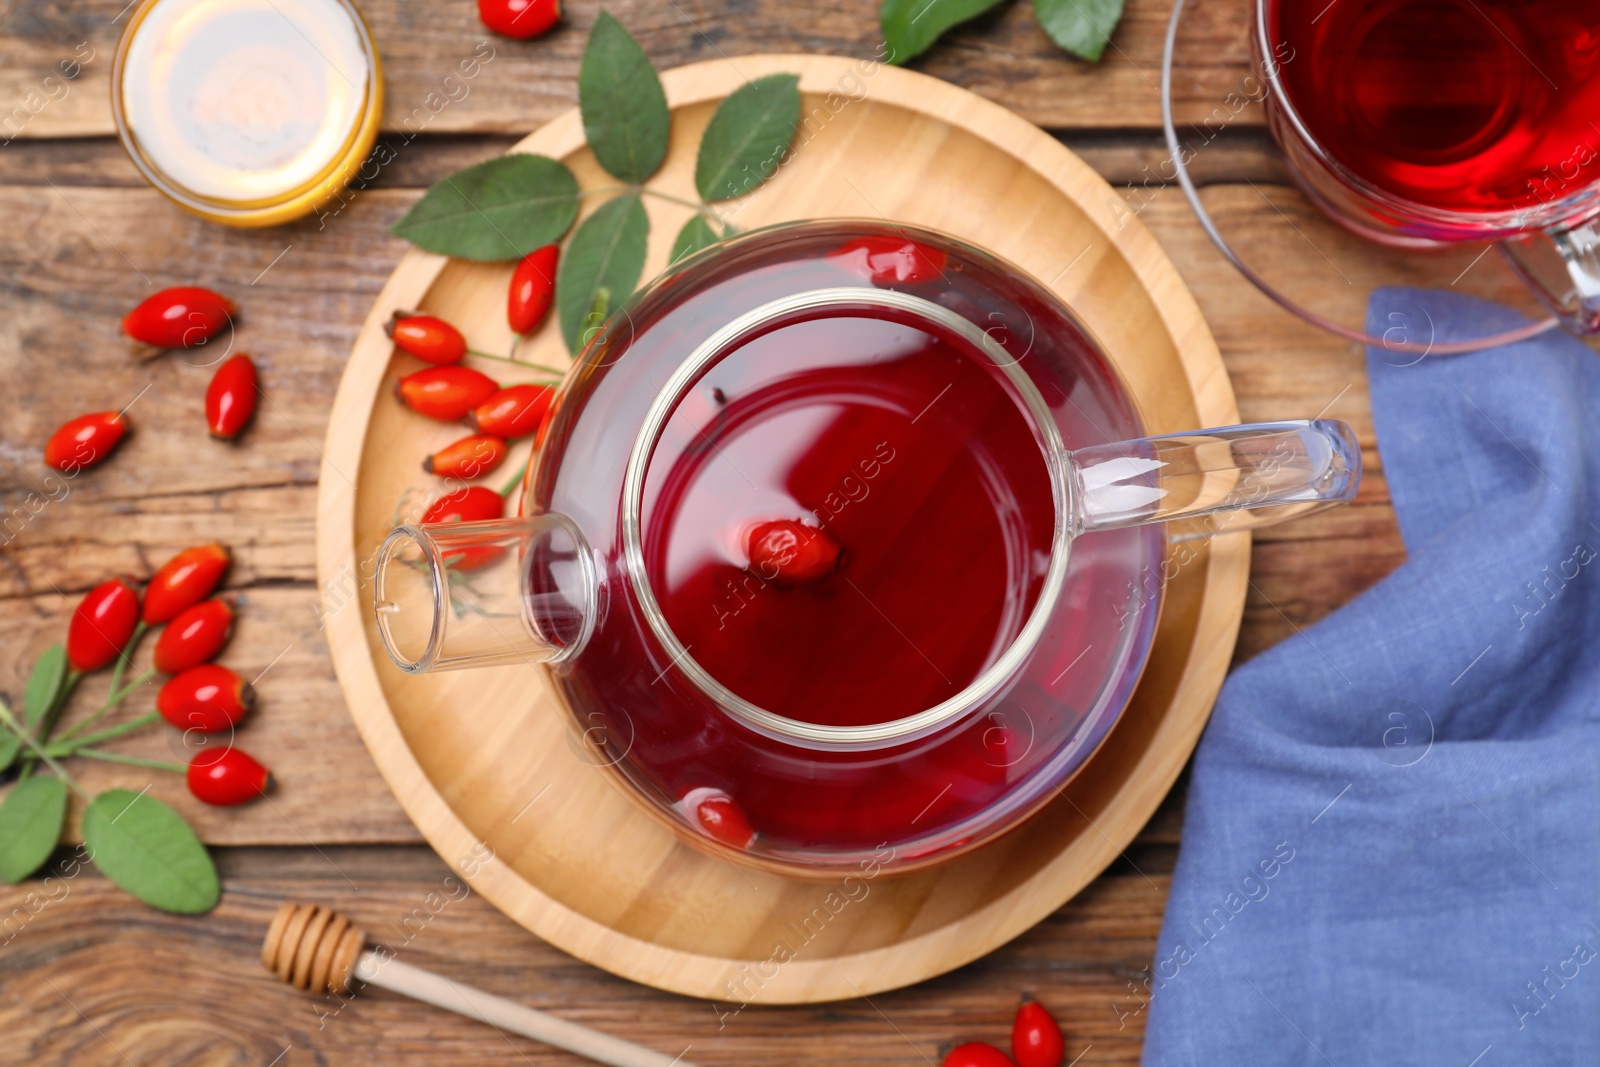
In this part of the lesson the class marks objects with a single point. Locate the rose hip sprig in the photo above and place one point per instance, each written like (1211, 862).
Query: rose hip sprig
(200, 697)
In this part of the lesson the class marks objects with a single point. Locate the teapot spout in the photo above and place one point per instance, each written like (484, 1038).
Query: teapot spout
(454, 595)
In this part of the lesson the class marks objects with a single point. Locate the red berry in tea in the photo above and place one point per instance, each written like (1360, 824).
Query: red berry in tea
(181, 317)
(231, 397)
(86, 440)
(893, 260)
(791, 553)
(718, 816)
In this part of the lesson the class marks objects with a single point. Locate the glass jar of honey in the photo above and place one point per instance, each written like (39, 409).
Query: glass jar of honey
(247, 112)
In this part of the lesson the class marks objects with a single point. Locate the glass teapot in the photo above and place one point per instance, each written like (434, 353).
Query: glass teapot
(843, 545)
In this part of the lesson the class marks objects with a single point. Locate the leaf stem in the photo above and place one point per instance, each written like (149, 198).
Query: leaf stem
(126, 656)
(67, 747)
(700, 209)
(50, 761)
(112, 700)
(518, 362)
(644, 190)
(516, 339)
(133, 761)
(515, 481)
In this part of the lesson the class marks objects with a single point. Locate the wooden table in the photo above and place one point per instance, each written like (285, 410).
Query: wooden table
(90, 976)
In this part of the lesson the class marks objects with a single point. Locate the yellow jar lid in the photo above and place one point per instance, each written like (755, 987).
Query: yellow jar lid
(247, 112)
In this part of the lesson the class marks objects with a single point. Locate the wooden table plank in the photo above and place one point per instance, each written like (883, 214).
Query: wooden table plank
(68, 995)
(515, 86)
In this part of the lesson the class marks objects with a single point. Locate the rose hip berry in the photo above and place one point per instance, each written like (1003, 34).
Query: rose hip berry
(1035, 1038)
(718, 816)
(207, 698)
(430, 339)
(445, 393)
(975, 1054)
(226, 776)
(86, 440)
(533, 284)
(514, 411)
(231, 398)
(467, 458)
(520, 19)
(790, 552)
(893, 259)
(102, 624)
(195, 636)
(179, 318)
(472, 504)
(183, 581)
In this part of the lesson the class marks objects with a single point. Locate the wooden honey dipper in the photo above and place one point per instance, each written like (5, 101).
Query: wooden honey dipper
(318, 950)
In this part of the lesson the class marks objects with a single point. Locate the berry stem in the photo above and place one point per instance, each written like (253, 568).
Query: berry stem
(133, 761)
(517, 339)
(50, 761)
(127, 655)
(67, 747)
(516, 480)
(112, 700)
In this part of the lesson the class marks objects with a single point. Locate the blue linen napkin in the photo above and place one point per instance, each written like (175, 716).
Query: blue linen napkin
(1391, 853)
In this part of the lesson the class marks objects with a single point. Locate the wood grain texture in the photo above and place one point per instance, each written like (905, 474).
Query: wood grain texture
(95, 980)
(518, 85)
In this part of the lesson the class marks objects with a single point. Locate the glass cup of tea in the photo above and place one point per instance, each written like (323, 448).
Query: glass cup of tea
(1421, 124)
(844, 544)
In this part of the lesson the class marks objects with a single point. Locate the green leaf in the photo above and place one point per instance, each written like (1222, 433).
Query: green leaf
(45, 684)
(146, 848)
(1082, 27)
(910, 26)
(500, 209)
(30, 826)
(747, 137)
(695, 235)
(625, 116)
(607, 252)
(10, 745)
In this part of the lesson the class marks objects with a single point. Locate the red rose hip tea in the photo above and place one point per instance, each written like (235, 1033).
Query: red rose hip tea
(887, 441)
(1458, 105)
(838, 547)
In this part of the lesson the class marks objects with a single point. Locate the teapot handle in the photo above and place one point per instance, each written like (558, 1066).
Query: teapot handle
(453, 595)
(1230, 478)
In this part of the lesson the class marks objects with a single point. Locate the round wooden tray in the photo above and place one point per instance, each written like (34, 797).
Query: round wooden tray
(482, 761)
